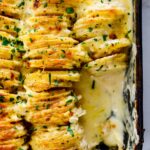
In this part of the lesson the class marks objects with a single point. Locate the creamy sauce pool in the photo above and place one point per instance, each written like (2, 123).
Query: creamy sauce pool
(101, 101)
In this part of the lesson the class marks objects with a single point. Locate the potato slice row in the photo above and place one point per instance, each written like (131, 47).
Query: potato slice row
(10, 54)
(101, 22)
(51, 60)
(66, 137)
(56, 110)
(12, 131)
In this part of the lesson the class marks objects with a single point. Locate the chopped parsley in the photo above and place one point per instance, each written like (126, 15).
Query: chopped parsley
(19, 100)
(31, 40)
(100, 68)
(70, 131)
(112, 114)
(63, 51)
(13, 50)
(6, 26)
(69, 101)
(110, 25)
(21, 78)
(61, 1)
(37, 107)
(93, 84)
(104, 37)
(90, 29)
(75, 96)
(21, 50)
(69, 10)
(5, 41)
(21, 4)
(11, 99)
(20, 149)
(15, 128)
(83, 43)
(17, 29)
(95, 39)
(44, 126)
(45, 5)
(32, 129)
(47, 106)
(1, 98)
(56, 82)
(30, 95)
(127, 34)
(62, 55)
(49, 78)
(60, 17)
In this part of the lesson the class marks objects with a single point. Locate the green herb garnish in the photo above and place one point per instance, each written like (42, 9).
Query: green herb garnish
(45, 5)
(49, 78)
(5, 41)
(17, 29)
(37, 107)
(47, 106)
(70, 131)
(1, 98)
(93, 84)
(11, 99)
(21, 78)
(90, 29)
(69, 101)
(56, 82)
(104, 37)
(127, 34)
(21, 4)
(69, 10)
(30, 95)
(44, 126)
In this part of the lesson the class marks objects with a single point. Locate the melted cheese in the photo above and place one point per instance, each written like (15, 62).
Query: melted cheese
(100, 102)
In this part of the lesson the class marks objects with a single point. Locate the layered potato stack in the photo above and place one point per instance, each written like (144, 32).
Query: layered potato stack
(43, 46)
(12, 131)
(52, 61)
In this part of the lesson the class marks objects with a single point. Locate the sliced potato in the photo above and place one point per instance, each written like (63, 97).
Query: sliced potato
(54, 25)
(10, 131)
(41, 41)
(46, 96)
(76, 53)
(98, 48)
(67, 137)
(14, 144)
(11, 85)
(11, 64)
(100, 22)
(50, 113)
(40, 81)
(8, 74)
(110, 63)
(9, 10)
(9, 25)
(53, 63)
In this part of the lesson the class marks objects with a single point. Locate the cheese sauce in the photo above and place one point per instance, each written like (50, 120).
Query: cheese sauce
(103, 101)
